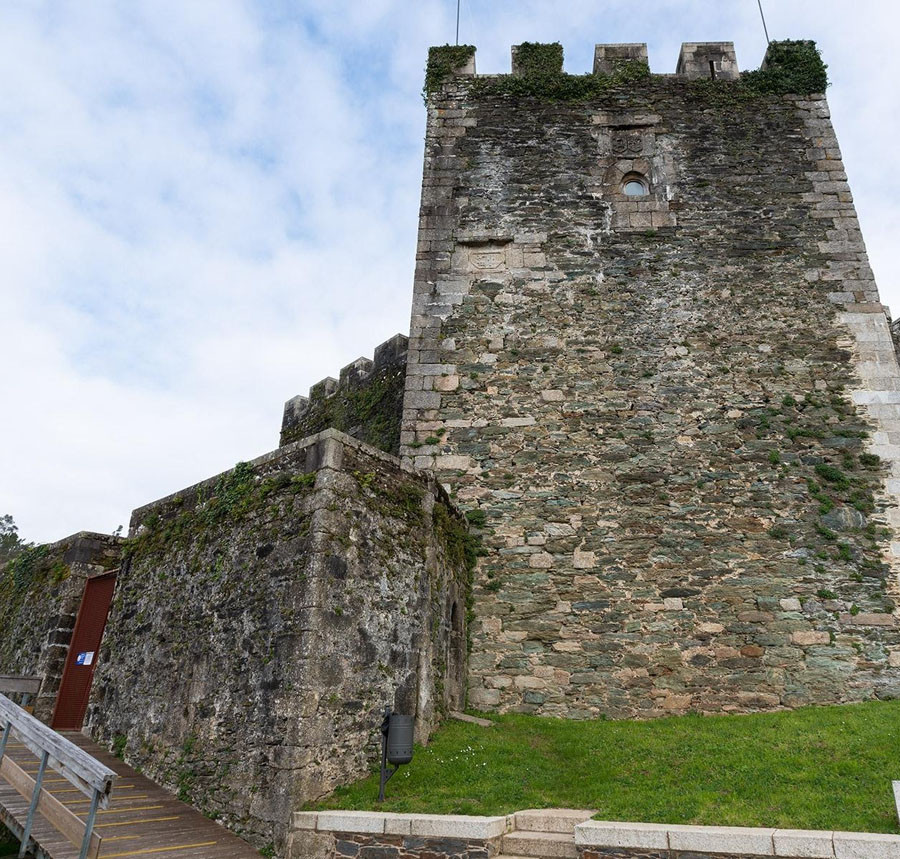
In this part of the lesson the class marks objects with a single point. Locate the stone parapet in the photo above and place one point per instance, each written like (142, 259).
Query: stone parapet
(708, 60)
(364, 402)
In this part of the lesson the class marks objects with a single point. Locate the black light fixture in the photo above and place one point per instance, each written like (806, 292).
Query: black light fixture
(396, 745)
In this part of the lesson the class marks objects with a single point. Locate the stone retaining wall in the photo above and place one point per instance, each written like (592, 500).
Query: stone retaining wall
(612, 840)
(264, 618)
(330, 834)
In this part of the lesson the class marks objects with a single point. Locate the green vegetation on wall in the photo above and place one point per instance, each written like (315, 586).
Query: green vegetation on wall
(792, 67)
(442, 62)
(819, 439)
(370, 410)
(463, 547)
(197, 520)
(536, 59)
(10, 541)
(27, 579)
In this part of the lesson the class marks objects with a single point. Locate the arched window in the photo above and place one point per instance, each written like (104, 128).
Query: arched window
(635, 185)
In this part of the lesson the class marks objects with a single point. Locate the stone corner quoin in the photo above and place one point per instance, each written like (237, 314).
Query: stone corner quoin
(678, 411)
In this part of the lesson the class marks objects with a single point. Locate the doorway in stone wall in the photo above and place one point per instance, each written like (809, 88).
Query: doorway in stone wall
(84, 647)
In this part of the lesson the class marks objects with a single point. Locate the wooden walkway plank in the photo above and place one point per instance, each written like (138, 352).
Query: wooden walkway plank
(142, 820)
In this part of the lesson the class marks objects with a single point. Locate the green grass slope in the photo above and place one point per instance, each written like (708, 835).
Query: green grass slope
(816, 768)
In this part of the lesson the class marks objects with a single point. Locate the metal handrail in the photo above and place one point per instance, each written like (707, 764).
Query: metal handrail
(92, 778)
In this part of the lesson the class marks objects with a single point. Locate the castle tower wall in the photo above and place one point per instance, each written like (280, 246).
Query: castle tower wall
(676, 410)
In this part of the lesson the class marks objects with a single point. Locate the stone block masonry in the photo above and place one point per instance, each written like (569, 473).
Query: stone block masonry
(40, 593)
(264, 618)
(365, 402)
(548, 832)
(675, 411)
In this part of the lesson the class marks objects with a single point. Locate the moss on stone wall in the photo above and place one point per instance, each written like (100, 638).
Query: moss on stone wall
(369, 410)
(40, 592)
(649, 400)
(197, 517)
(264, 619)
(792, 67)
(443, 60)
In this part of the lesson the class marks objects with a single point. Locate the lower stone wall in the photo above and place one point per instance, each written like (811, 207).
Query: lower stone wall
(263, 620)
(325, 845)
(379, 835)
(40, 593)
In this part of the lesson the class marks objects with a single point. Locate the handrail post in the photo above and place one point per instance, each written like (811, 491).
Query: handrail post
(89, 825)
(6, 732)
(35, 796)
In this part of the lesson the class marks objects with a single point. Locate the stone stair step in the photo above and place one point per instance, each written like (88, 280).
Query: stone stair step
(551, 819)
(539, 845)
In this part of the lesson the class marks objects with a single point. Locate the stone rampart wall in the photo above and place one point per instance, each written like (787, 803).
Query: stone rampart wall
(40, 593)
(366, 401)
(677, 413)
(263, 620)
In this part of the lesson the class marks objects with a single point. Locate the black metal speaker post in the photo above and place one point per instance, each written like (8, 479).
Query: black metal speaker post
(385, 775)
(396, 745)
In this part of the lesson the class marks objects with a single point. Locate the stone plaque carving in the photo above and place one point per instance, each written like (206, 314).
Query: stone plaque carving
(487, 260)
(627, 143)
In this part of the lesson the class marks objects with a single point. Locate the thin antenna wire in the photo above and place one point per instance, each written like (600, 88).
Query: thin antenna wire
(457, 20)
(761, 15)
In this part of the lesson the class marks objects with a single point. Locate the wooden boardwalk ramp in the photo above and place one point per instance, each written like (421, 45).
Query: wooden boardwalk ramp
(142, 819)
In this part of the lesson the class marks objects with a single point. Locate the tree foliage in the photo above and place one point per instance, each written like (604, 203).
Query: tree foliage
(11, 544)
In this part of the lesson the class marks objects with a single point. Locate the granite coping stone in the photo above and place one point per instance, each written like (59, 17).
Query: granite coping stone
(699, 840)
(462, 826)
(722, 839)
(725, 840)
(605, 833)
(803, 844)
(866, 845)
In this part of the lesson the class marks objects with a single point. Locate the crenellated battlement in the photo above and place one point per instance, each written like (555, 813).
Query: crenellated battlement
(788, 67)
(715, 60)
(364, 401)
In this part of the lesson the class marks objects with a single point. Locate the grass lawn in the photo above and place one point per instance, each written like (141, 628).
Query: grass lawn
(816, 768)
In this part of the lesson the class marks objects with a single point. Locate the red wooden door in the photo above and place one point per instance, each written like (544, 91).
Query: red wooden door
(75, 689)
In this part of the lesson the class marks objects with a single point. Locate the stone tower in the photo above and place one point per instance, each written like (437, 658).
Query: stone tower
(648, 355)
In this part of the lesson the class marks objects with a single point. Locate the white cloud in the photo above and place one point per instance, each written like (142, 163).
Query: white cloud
(206, 207)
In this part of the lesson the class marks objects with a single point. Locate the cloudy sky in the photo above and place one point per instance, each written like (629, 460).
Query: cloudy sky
(206, 206)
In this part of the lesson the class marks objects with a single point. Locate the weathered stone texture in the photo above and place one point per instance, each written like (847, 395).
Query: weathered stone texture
(668, 408)
(264, 618)
(40, 593)
(622, 853)
(366, 401)
(307, 844)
